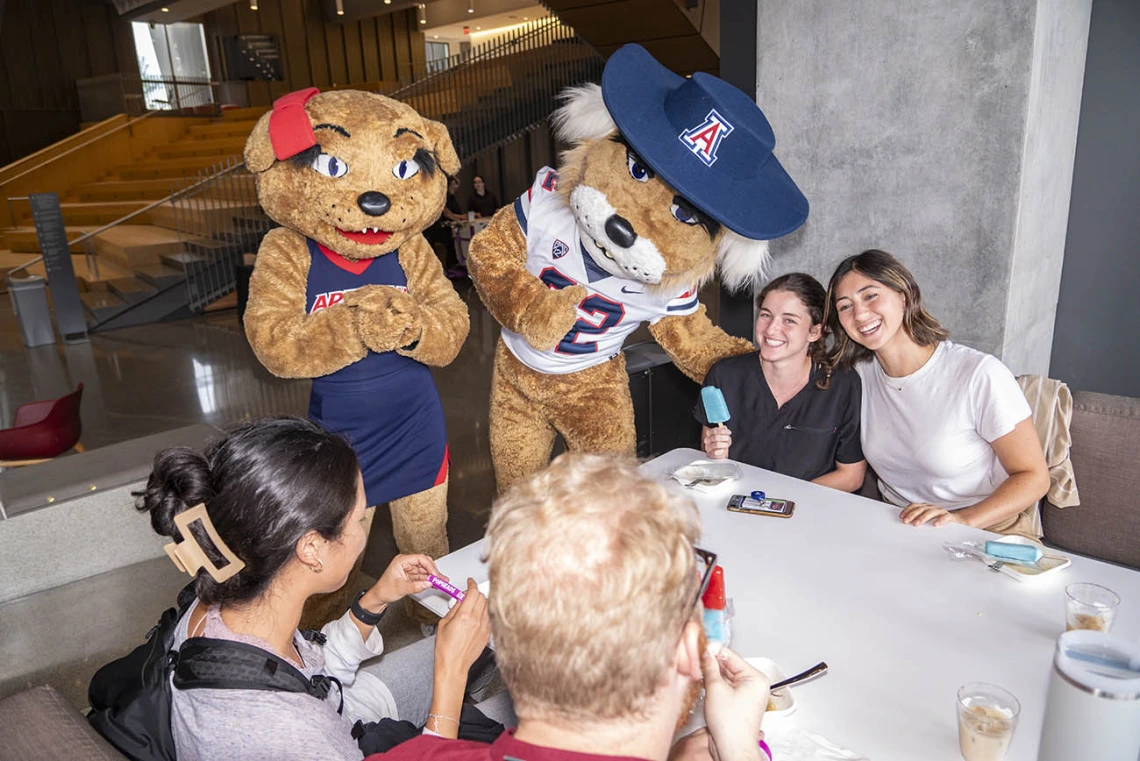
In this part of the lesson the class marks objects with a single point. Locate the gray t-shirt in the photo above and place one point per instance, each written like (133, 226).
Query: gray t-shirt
(251, 725)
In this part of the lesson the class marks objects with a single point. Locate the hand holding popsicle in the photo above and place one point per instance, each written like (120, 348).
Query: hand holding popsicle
(715, 442)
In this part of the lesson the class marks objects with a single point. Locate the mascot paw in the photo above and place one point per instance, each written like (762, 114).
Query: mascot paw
(385, 317)
(549, 319)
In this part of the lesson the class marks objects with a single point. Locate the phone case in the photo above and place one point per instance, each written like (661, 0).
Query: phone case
(736, 505)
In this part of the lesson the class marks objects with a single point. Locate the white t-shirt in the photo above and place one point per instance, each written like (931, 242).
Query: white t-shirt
(614, 307)
(930, 441)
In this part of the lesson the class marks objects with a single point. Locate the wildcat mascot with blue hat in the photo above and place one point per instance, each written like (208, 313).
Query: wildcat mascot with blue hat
(668, 182)
(347, 291)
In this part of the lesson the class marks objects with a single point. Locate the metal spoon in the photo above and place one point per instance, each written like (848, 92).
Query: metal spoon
(816, 670)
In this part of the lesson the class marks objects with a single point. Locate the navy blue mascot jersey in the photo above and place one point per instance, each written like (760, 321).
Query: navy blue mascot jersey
(385, 404)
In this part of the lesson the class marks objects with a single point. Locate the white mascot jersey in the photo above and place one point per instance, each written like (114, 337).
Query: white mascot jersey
(614, 307)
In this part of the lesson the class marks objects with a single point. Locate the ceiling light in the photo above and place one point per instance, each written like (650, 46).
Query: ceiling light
(253, 5)
(340, 7)
(478, 28)
(166, 10)
(470, 6)
(422, 10)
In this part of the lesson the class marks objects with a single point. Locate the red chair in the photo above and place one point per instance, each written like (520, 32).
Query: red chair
(42, 431)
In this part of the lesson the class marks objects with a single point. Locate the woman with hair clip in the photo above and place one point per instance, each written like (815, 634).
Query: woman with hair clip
(286, 503)
(790, 412)
(946, 428)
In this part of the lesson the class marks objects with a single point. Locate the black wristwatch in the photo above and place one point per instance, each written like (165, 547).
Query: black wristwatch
(365, 616)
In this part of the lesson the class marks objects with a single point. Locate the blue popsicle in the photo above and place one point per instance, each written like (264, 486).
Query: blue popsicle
(1026, 553)
(716, 410)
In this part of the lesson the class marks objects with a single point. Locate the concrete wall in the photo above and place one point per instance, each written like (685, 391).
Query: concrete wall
(929, 129)
(1094, 344)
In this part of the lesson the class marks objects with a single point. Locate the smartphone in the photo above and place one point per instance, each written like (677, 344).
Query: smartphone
(781, 508)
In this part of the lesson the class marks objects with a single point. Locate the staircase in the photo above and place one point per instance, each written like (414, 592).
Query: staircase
(162, 258)
(160, 236)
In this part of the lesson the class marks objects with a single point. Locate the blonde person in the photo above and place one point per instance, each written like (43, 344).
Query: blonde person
(946, 428)
(790, 412)
(595, 615)
(287, 499)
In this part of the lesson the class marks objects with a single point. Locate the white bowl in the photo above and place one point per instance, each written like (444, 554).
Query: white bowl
(781, 702)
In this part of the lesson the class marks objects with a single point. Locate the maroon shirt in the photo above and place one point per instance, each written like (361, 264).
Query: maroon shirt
(506, 748)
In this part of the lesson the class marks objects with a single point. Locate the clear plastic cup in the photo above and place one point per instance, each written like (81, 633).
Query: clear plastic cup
(1090, 606)
(987, 716)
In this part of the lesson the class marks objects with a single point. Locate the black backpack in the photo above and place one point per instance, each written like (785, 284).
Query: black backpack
(130, 697)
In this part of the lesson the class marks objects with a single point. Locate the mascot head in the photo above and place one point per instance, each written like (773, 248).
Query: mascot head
(671, 179)
(356, 172)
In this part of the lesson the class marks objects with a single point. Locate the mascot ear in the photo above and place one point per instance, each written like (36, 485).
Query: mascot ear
(741, 261)
(440, 142)
(258, 148)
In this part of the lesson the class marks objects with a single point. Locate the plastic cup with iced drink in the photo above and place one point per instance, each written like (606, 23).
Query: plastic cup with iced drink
(987, 716)
(1090, 606)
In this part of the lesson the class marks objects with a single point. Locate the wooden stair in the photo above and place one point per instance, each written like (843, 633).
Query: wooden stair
(129, 266)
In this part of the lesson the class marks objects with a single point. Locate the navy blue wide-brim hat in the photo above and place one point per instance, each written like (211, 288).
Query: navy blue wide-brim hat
(705, 138)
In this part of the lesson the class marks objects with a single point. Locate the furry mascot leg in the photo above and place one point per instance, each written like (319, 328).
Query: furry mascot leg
(419, 522)
(521, 439)
(320, 609)
(592, 409)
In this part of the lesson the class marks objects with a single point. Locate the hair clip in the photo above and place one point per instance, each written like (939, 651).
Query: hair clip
(188, 555)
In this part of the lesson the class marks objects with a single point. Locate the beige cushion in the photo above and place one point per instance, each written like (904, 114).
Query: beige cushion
(39, 724)
(1106, 440)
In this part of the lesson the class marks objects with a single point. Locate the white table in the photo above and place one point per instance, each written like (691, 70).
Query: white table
(900, 623)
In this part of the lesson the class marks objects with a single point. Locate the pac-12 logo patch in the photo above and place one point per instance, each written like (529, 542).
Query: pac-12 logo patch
(559, 249)
(704, 140)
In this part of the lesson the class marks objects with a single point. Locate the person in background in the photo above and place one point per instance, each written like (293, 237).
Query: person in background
(945, 427)
(482, 201)
(442, 234)
(595, 613)
(790, 412)
(287, 498)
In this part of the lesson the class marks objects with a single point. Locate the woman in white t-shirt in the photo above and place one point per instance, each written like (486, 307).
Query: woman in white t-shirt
(945, 427)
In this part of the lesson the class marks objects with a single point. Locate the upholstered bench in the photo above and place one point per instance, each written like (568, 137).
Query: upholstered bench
(1105, 454)
(39, 724)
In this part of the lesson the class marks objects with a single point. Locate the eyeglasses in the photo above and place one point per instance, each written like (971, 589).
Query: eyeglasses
(706, 562)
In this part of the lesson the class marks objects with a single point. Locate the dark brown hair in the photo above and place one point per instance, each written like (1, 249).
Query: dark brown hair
(811, 294)
(886, 270)
(265, 484)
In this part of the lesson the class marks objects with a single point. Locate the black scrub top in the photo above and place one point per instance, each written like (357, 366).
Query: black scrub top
(806, 437)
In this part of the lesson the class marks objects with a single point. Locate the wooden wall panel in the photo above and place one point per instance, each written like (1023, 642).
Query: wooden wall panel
(45, 45)
(318, 51)
(294, 47)
(100, 47)
(334, 41)
(387, 42)
(370, 50)
(400, 31)
(353, 54)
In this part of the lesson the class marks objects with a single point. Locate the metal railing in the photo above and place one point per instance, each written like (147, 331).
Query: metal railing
(132, 94)
(218, 220)
(87, 239)
(504, 88)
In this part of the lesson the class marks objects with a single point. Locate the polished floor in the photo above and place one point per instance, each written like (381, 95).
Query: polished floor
(139, 381)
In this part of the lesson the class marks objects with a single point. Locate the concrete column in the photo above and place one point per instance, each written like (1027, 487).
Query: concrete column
(943, 132)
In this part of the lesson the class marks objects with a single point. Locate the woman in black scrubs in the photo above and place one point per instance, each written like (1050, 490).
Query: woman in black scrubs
(790, 413)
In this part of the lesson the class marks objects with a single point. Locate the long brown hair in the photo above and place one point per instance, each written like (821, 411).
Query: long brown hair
(886, 270)
(811, 294)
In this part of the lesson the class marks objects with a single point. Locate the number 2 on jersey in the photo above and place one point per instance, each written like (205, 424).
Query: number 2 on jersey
(601, 315)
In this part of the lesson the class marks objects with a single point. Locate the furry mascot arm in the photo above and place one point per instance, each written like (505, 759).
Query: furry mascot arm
(517, 299)
(435, 307)
(289, 342)
(695, 344)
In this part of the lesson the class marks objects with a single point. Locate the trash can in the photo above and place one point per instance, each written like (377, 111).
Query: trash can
(29, 301)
